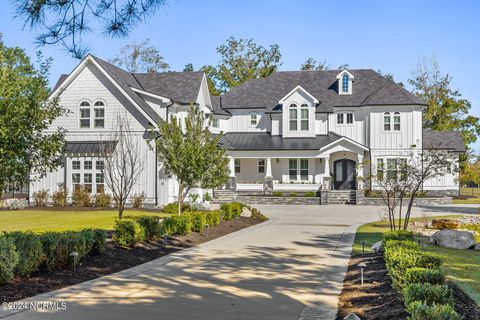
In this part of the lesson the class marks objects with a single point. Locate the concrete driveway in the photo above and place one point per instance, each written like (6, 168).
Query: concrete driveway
(290, 267)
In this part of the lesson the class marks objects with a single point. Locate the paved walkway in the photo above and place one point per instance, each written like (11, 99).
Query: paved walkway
(290, 267)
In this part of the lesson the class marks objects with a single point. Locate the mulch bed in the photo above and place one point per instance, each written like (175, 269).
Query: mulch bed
(377, 300)
(115, 259)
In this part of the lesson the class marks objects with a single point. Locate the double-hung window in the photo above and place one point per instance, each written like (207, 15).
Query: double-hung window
(216, 123)
(396, 121)
(380, 169)
(298, 169)
(340, 118)
(99, 113)
(387, 125)
(76, 165)
(304, 117)
(343, 118)
(292, 169)
(349, 118)
(261, 165)
(84, 114)
(253, 120)
(304, 169)
(293, 117)
(237, 165)
(392, 169)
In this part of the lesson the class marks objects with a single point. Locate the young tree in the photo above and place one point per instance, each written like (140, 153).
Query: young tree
(123, 163)
(471, 172)
(192, 155)
(446, 109)
(140, 57)
(312, 64)
(25, 113)
(66, 22)
(243, 60)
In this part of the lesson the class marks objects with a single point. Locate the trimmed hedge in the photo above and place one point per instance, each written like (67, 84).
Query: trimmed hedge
(8, 259)
(198, 221)
(213, 217)
(172, 208)
(398, 235)
(428, 293)
(424, 275)
(30, 252)
(128, 233)
(151, 225)
(231, 210)
(419, 310)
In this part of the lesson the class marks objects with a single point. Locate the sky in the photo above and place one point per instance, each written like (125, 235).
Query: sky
(387, 35)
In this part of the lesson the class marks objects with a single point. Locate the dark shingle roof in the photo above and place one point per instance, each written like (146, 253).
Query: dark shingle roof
(90, 147)
(443, 140)
(264, 141)
(182, 87)
(217, 106)
(60, 80)
(369, 88)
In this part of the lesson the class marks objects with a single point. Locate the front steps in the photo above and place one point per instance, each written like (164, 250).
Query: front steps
(342, 197)
(224, 196)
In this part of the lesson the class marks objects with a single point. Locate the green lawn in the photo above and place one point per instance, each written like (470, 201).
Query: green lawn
(468, 196)
(461, 266)
(51, 220)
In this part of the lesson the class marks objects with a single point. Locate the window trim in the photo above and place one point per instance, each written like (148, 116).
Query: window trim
(298, 169)
(261, 165)
(216, 123)
(396, 115)
(237, 165)
(293, 107)
(304, 107)
(253, 119)
(387, 115)
(82, 117)
(345, 83)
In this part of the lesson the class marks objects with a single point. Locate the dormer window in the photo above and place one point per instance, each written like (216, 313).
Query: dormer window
(345, 83)
(216, 123)
(296, 122)
(253, 120)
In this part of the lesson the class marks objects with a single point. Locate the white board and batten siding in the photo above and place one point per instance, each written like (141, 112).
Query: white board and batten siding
(355, 130)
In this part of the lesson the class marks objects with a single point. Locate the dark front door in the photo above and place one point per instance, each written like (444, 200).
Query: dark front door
(344, 171)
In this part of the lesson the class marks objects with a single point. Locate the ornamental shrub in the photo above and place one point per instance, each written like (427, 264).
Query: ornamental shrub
(40, 197)
(182, 224)
(8, 259)
(424, 275)
(427, 293)
(30, 252)
(231, 210)
(419, 310)
(292, 194)
(59, 198)
(173, 208)
(213, 218)
(98, 240)
(138, 200)
(81, 197)
(398, 235)
(128, 233)
(103, 200)
(277, 194)
(151, 225)
(309, 194)
(198, 221)
(258, 215)
(58, 246)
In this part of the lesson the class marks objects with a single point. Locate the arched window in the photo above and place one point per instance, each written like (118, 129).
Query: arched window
(84, 114)
(99, 113)
(345, 82)
(293, 117)
(396, 121)
(387, 125)
(304, 117)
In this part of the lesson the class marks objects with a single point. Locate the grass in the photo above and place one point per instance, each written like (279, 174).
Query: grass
(51, 220)
(468, 196)
(461, 266)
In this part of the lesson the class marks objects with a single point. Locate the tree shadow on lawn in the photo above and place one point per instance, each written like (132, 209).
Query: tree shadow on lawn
(253, 282)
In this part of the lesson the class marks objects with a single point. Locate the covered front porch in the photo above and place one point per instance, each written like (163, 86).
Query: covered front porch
(300, 172)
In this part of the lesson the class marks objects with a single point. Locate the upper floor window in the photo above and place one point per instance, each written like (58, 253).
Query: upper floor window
(304, 117)
(293, 117)
(99, 113)
(253, 119)
(345, 83)
(350, 118)
(216, 123)
(84, 114)
(387, 121)
(340, 118)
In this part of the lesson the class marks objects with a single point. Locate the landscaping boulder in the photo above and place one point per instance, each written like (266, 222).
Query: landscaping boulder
(477, 247)
(377, 247)
(246, 212)
(454, 239)
(444, 224)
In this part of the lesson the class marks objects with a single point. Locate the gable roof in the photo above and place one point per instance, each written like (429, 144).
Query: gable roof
(182, 87)
(217, 106)
(370, 88)
(443, 140)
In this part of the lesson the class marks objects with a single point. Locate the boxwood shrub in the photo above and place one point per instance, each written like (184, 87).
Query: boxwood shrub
(213, 218)
(419, 310)
(198, 221)
(424, 275)
(398, 235)
(8, 259)
(30, 252)
(172, 208)
(151, 225)
(427, 293)
(58, 246)
(231, 210)
(128, 233)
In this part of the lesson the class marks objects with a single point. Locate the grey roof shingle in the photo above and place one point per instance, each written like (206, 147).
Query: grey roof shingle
(443, 140)
(369, 88)
(90, 147)
(217, 106)
(264, 141)
(182, 87)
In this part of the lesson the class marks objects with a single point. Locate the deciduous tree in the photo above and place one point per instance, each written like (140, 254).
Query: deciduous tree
(140, 57)
(191, 154)
(312, 64)
(25, 113)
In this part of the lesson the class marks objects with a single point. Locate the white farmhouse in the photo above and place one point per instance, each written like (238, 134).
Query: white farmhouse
(293, 131)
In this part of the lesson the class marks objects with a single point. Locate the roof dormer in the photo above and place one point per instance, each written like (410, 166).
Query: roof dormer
(345, 82)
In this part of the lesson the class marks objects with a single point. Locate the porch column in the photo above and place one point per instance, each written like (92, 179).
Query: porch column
(232, 184)
(360, 182)
(326, 174)
(268, 183)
